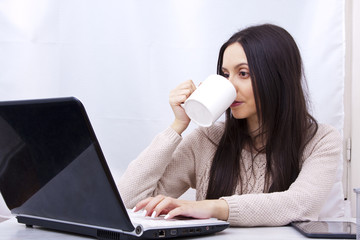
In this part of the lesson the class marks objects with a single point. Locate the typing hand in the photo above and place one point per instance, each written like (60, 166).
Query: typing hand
(155, 206)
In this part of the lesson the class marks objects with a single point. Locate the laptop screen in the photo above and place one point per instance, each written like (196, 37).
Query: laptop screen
(51, 165)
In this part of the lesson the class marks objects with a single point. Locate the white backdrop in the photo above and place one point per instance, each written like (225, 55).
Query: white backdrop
(121, 58)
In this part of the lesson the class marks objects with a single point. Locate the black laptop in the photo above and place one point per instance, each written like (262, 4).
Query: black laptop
(53, 174)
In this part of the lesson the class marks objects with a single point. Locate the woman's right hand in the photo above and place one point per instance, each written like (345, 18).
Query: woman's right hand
(176, 98)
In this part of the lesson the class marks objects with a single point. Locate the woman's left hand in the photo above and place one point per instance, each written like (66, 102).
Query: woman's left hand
(155, 206)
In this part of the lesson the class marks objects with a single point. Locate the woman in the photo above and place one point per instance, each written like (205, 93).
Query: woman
(270, 163)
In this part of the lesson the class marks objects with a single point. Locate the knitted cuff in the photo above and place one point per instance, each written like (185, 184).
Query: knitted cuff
(233, 209)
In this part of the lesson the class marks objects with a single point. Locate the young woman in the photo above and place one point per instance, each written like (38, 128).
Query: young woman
(270, 163)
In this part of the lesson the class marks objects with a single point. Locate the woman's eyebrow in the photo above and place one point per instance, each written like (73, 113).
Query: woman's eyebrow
(236, 66)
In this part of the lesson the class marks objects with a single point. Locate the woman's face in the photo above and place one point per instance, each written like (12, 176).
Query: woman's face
(235, 68)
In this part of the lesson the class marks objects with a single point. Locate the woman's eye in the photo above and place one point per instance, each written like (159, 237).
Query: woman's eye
(244, 74)
(226, 75)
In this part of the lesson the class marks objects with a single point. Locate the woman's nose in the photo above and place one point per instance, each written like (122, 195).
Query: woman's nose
(231, 80)
(236, 87)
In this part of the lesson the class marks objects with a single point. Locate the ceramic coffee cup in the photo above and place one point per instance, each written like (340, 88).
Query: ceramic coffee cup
(210, 100)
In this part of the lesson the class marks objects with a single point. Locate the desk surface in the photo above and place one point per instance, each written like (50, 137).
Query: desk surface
(10, 229)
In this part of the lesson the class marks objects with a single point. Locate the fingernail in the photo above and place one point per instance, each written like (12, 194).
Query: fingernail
(167, 216)
(134, 209)
(153, 214)
(144, 213)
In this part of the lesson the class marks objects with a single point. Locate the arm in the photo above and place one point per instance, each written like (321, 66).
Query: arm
(199, 145)
(144, 176)
(304, 199)
(158, 170)
(180, 174)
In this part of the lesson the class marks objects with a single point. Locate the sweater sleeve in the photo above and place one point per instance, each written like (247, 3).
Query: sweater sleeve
(159, 169)
(304, 198)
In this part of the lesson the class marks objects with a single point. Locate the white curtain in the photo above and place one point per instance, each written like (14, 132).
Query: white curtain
(121, 58)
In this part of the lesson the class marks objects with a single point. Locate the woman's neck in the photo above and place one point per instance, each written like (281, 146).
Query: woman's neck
(253, 125)
(255, 133)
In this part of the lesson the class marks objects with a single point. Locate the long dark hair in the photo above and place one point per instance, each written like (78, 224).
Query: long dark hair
(286, 126)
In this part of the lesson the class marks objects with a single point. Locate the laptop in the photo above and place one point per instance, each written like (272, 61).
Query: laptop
(54, 175)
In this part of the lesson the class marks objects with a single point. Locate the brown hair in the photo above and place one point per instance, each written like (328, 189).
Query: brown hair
(279, 87)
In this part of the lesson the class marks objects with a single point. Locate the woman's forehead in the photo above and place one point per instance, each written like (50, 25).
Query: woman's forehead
(234, 55)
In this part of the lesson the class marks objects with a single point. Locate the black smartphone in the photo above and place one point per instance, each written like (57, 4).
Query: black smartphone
(326, 229)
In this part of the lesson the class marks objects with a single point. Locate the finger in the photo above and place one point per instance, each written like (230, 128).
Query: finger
(140, 205)
(175, 212)
(179, 91)
(177, 97)
(186, 85)
(187, 211)
(164, 206)
(190, 85)
(152, 204)
(193, 86)
(183, 92)
(177, 100)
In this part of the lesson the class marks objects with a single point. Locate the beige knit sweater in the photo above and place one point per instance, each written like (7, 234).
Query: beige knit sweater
(170, 165)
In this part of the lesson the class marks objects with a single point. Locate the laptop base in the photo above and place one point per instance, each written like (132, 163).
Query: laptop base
(108, 234)
(71, 228)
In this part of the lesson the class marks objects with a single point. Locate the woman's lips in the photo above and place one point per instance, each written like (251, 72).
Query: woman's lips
(236, 103)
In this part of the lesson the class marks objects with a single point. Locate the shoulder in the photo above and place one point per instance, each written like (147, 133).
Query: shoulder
(327, 134)
(205, 136)
(326, 139)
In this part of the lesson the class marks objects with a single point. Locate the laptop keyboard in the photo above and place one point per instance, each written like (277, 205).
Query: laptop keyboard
(148, 222)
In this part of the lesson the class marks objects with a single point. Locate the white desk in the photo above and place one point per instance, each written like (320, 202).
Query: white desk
(11, 230)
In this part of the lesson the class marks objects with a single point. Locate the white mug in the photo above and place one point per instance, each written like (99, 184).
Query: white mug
(210, 100)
